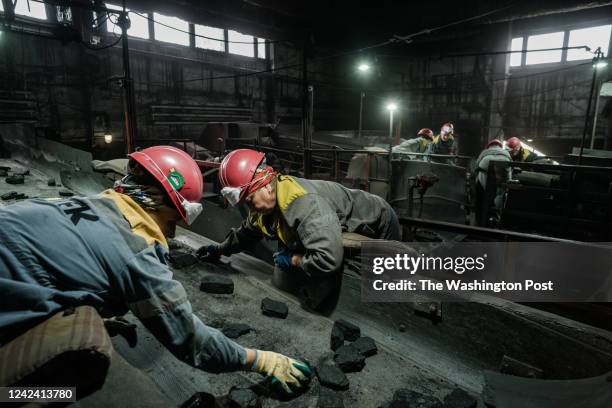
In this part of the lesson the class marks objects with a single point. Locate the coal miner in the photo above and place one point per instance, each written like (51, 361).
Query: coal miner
(109, 251)
(306, 217)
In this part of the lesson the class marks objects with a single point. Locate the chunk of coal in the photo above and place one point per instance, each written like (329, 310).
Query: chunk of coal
(221, 285)
(274, 308)
(15, 179)
(181, 259)
(408, 398)
(3, 173)
(460, 399)
(329, 399)
(51, 182)
(366, 346)
(23, 173)
(200, 400)
(337, 338)
(332, 377)
(235, 330)
(9, 196)
(244, 398)
(349, 359)
(5, 168)
(350, 331)
(66, 193)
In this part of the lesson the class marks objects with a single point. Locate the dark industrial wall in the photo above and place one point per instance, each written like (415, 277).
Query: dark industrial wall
(73, 93)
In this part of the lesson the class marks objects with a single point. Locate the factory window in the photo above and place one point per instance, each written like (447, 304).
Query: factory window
(139, 23)
(516, 57)
(178, 34)
(592, 37)
(261, 48)
(544, 41)
(244, 44)
(29, 9)
(209, 37)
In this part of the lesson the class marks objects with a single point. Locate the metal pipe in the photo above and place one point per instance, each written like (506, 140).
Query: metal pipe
(595, 117)
(128, 86)
(362, 96)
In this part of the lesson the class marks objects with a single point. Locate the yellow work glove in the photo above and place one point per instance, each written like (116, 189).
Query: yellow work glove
(288, 374)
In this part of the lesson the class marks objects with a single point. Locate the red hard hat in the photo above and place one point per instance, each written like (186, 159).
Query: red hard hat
(176, 171)
(513, 143)
(238, 169)
(426, 132)
(496, 142)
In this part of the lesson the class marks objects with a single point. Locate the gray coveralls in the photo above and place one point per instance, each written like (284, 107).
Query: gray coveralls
(83, 251)
(309, 218)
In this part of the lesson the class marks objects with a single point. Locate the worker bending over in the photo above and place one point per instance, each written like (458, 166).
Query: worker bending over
(417, 145)
(109, 251)
(493, 152)
(518, 152)
(307, 217)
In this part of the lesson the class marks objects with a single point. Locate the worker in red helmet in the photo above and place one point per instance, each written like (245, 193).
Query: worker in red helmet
(109, 251)
(518, 152)
(306, 217)
(443, 144)
(416, 145)
(486, 195)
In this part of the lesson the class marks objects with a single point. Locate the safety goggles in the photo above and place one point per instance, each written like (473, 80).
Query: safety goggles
(233, 195)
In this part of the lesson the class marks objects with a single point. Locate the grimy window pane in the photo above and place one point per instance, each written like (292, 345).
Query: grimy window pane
(515, 58)
(210, 32)
(542, 41)
(139, 25)
(36, 10)
(592, 37)
(170, 35)
(245, 48)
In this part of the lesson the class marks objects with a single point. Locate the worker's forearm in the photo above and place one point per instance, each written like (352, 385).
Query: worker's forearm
(250, 358)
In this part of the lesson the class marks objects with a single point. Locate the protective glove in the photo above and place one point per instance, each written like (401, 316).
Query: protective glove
(288, 374)
(282, 258)
(210, 253)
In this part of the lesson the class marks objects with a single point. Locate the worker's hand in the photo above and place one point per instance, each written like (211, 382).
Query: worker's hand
(210, 253)
(282, 258)
(286, 373)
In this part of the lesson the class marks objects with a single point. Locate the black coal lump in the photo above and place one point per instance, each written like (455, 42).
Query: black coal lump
(366, 346)
(181, 259)
(349, 359)
(10, 195)
(329, 399)
(332, 377)
(244, 398)
(15, 179)
(460, 399)
(217, 284)
(66, 193)
(51, 182)
(274, 308)
(337, 338)
(350, 331)
(235, 330)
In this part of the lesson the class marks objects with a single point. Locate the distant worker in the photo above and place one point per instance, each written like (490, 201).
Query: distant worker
(109, 251)
(306, 217)
(518, 152)
(418, 144)
(444, 144)
(494, 194)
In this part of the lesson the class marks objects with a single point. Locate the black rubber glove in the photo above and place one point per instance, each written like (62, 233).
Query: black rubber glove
(209, 253)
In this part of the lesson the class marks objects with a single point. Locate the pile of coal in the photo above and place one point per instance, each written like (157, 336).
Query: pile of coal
(4, 171)
(337, 338)
(274, 308)
(235, 330)
(217, 284)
